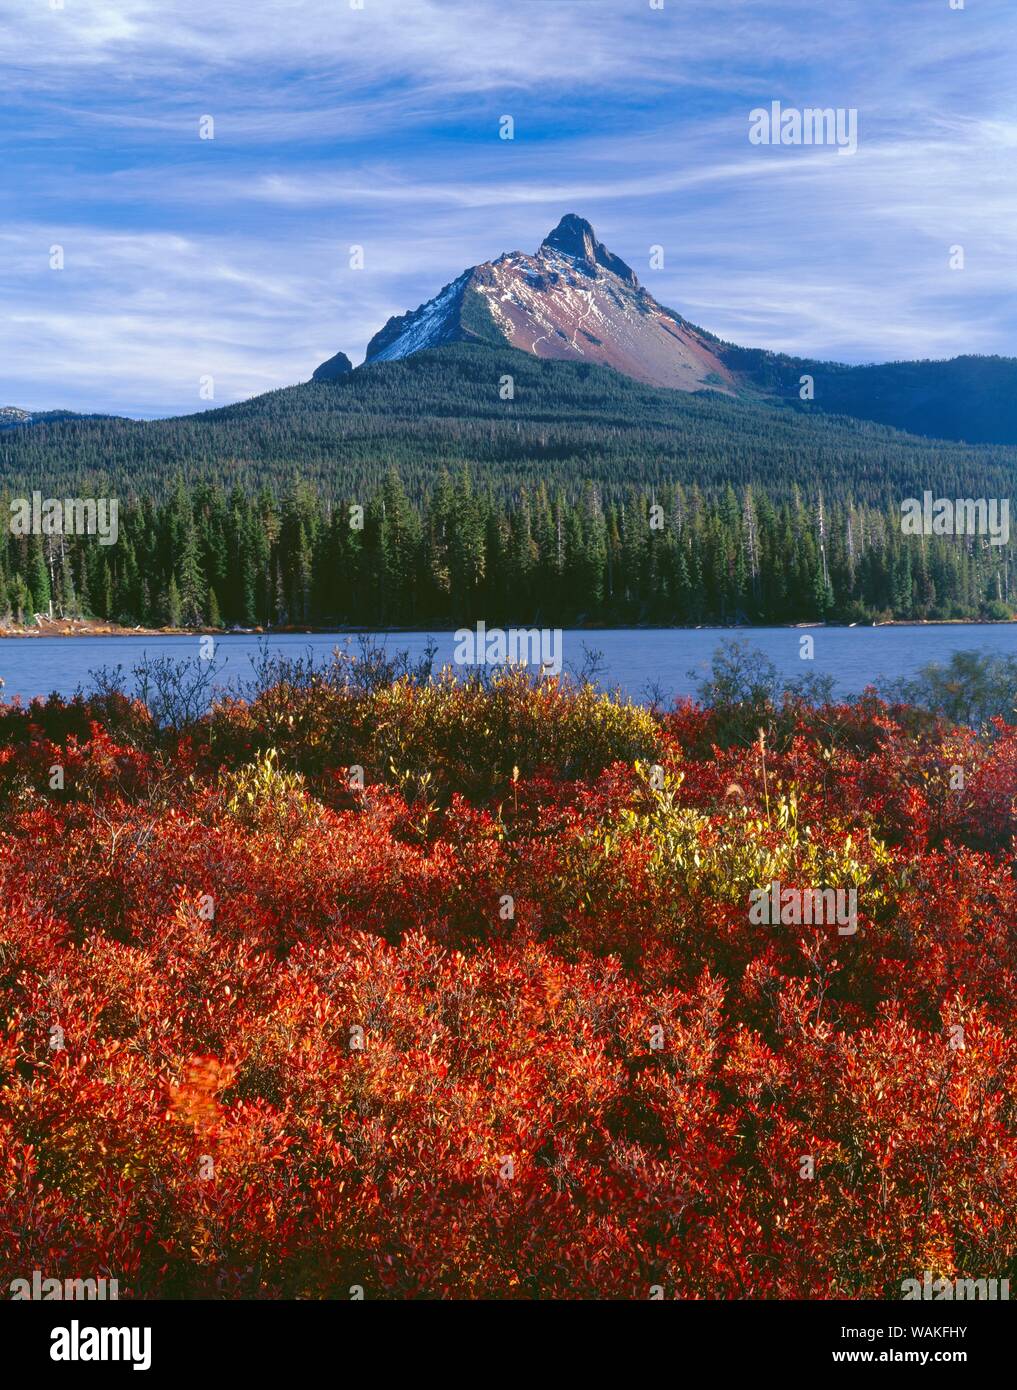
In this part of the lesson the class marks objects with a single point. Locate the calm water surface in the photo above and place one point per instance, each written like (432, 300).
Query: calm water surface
(673, 660)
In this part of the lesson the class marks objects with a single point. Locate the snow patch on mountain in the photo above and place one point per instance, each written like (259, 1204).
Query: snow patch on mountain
(426, 326)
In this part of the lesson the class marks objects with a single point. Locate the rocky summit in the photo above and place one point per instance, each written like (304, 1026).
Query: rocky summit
(572, 299)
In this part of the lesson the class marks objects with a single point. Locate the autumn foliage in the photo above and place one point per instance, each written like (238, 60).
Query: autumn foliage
(496, 1024)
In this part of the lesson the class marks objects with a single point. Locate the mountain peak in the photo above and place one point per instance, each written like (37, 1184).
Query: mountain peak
(575, 237)
(572, 300)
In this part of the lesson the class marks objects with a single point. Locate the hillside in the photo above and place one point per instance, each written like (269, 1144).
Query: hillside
(966, 398)
(568, 422)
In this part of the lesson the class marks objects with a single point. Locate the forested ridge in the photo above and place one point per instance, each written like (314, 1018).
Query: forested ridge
(413, 493)
(566, 424)
(972, 398)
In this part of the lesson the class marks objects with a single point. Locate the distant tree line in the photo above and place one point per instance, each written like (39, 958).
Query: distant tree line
(200, 555)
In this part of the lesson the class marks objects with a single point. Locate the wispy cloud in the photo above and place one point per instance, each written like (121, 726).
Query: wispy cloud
(379, 126)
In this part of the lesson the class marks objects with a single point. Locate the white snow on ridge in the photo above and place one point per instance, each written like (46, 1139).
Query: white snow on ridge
(425, 324)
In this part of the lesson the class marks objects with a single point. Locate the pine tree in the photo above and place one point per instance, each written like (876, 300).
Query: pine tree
(38, 578)
(172, 610)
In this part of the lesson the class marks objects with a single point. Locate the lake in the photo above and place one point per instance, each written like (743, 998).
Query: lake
(672, 659)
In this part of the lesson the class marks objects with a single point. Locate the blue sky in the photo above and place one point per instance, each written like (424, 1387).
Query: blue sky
(334, 126)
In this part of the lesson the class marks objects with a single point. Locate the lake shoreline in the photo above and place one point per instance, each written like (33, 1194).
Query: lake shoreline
(86, 629)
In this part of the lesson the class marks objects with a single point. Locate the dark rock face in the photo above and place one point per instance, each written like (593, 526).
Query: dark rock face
(339, 365)
(575, 237)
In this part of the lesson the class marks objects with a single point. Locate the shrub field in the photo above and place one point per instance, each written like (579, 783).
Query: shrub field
(438, 990)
